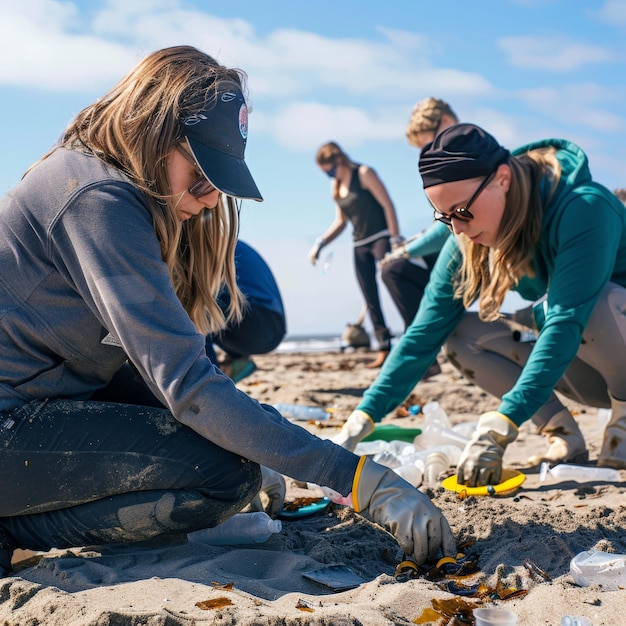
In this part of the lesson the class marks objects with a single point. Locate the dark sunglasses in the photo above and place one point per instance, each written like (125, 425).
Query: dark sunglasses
(201, 186)
(462, 213)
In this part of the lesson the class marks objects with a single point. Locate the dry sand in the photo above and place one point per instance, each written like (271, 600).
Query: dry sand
(542, 524)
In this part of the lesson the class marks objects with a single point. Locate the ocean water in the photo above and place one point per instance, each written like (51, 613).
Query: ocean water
(310, 343)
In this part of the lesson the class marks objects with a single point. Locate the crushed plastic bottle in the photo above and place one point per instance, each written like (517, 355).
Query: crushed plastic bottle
(302, 412)
(602, 569)
(243, 528)
(574, 620)
(578, 473)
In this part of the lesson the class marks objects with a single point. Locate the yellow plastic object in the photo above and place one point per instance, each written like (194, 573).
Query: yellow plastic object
(511, 480)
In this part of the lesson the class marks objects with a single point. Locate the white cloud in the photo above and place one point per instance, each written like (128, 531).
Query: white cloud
(41, 49)
(584, 105)
(48, 52)
(613, 11)
(554, 53)
(306, 125)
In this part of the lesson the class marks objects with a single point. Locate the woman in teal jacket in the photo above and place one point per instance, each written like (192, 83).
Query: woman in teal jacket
(534, 222)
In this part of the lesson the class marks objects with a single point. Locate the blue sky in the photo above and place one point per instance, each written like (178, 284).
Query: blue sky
(347, 71)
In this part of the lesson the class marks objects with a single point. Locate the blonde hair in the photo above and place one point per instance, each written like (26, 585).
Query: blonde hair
(133, 127)
(486, 273)
(620, 192)
(331, 154)
(426, 117)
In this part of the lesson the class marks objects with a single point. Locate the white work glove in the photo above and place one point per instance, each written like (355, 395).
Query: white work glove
(481, 460)
(397, 253)
(314, 252)
(418, 525)
(274, 487)
(396, 241)
(357, 426)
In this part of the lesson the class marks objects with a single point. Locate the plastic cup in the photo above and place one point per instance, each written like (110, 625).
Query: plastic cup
(494, 617)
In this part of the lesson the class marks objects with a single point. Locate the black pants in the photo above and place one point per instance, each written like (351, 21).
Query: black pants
(406, 282)
(76, 473)
(365, 258)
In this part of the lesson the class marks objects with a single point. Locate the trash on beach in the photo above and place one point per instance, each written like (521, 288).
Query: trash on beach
(337, 577)
(510, 482)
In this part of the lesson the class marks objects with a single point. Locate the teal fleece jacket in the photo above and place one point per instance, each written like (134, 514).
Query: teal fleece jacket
(582, 246)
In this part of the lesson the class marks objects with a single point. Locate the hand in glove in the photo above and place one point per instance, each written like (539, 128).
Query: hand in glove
(314, 252)
(408, 514)
(397, 253)
(273, 485)
(357, 426)
(481, 460)
(396, 242)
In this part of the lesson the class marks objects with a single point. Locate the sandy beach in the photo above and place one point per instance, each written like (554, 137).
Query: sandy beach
(521, 543)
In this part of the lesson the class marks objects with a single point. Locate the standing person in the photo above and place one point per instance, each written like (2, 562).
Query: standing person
(114, 247)
(533, 221)
(361, 198)
(406, 270)
(263, 325)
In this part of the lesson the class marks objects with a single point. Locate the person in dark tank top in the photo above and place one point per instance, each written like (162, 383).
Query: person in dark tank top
(362, 199)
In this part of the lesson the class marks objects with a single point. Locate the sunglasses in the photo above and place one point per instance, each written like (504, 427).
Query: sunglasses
(462, 213)
(201, 186)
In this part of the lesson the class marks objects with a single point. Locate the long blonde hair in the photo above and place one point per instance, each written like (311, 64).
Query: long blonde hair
(133, 127)
(331, 154)
(488, 273)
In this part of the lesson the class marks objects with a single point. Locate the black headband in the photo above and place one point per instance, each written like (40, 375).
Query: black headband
(460, 152)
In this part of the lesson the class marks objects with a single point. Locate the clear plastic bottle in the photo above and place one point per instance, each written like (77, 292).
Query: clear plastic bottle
(243, 528)
(434, 414)
(603, 569)
(434, 435)
(411, 472)
(578, 473)
(302, 412)
(387, 458)
(369, 448)
(574, 620)
(436, 464)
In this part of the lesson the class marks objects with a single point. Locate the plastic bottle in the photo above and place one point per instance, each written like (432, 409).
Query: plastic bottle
(467, 429)
(434, 414)
(603, 569)
(436, 463)
(411, 473)
(434, 435)
(578, 473)
(242, 528)
(328, 259)
(401, 448)
(369, 448)
(574, 620)
(387, 458)
(302, 412)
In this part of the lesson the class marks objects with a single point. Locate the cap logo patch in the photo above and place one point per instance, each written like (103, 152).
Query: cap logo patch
(243, 121)
(194, 119)
(228, 96)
